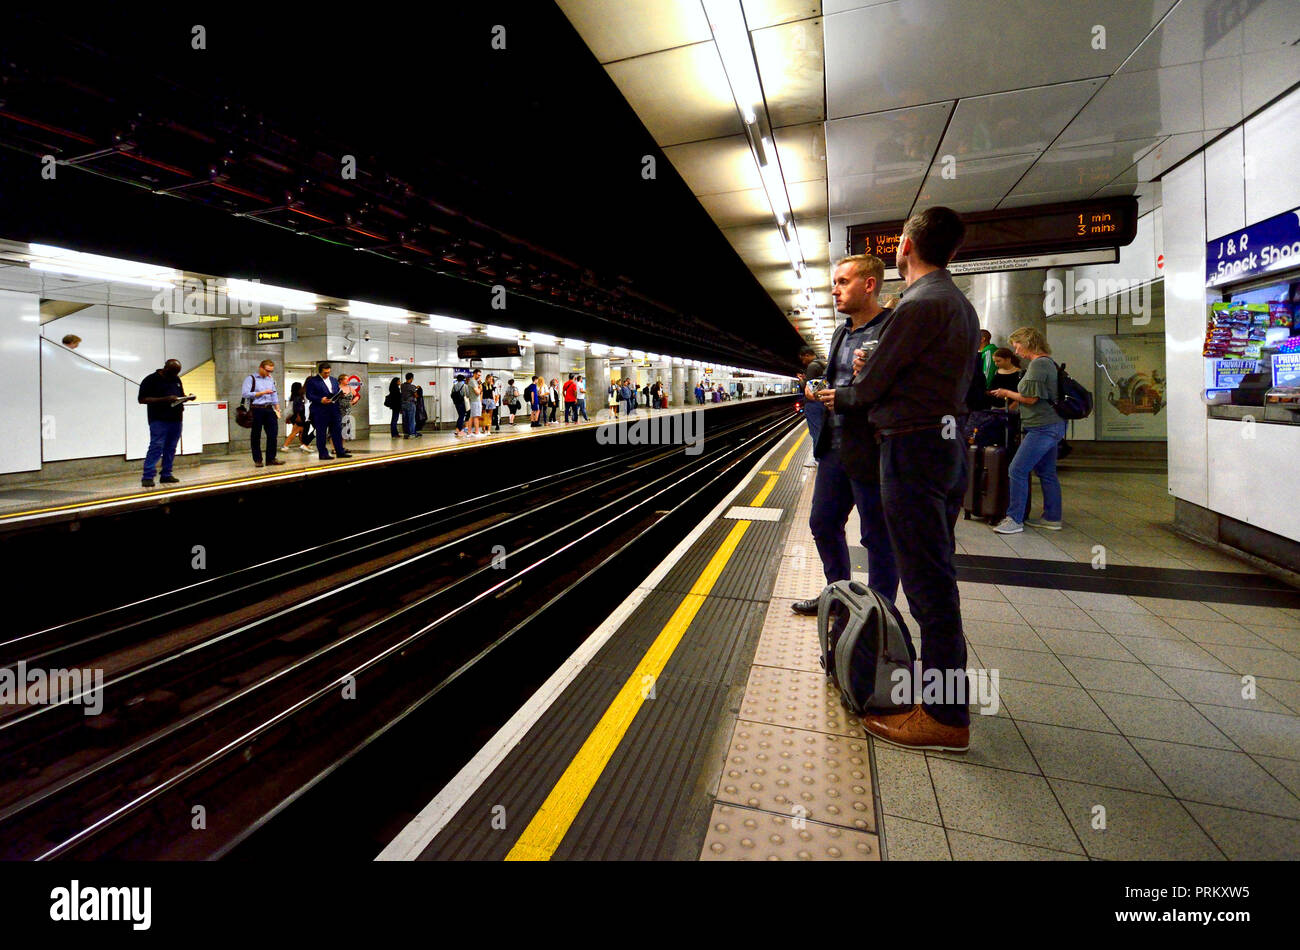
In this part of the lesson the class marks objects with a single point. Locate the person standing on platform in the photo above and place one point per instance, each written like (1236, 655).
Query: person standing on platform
(490, 404)
(322, 392)
(813, 410)
(348, 397)
(259, 389)
(581, 387)
(408, 406)
(554, 396)
(533, 396)
(847, 458)
(394, 402)
(913, 387)
(986, 351)
(570, 399)
(164, 396)
(512, 400)
(297, 419)
(474, 398)
(458, 390)
(699, 393)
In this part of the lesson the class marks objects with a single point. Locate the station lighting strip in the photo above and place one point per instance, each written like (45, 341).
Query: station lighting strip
(731, 36)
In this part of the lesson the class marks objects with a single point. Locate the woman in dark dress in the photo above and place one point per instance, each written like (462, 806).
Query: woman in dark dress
(394, 402)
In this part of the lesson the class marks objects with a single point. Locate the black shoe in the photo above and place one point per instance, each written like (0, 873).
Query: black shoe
(169, 480)
(805, 608)
(343, 455)
(146, 483)
(276, 462)
(257, 464)
(326, 458)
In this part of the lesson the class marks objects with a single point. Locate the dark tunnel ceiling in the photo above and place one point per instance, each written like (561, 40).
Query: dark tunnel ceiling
(476, 165)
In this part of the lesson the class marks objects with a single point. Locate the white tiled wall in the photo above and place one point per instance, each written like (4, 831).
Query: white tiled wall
(83, 404)
(20, 410)
(1225, 192)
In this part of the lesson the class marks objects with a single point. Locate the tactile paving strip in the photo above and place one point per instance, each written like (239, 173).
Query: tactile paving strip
(742, 834)
(788, 640)
(798, 699)
(796, 581)
(798, 773)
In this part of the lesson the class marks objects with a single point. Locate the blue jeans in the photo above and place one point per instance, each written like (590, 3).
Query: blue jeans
(392, 423)
(408, 417)
(582, 408)
(815, 413)
(163, 437)
(461, 414)
(1037, 454)
(834, 495)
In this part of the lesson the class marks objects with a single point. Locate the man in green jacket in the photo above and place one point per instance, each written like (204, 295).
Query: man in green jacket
(986, 351)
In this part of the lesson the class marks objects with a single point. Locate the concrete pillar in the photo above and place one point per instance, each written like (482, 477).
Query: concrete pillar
(234, 357)
(1009, 300)
(548, 364)
(596, 377)
(681, 389)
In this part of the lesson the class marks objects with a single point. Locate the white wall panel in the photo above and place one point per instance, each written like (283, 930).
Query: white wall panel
(216, 426)
(1250, 474)
(1184, 237)
(83, 405)
(135, 340)
(137, 424)
(20, 410)
(1225, 193)
(192, 347)
(1272, 144)
(90, 324)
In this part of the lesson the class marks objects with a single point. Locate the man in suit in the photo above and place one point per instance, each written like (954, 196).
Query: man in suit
(912, 388)
(322, 392)
(847, 471)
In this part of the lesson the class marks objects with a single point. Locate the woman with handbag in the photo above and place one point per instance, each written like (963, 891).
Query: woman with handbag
(393, 401)
(489, 404)
(512, 399)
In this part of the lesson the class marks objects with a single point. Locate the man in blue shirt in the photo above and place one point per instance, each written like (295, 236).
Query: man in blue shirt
(844, 480)
(322, 390)
(161, 391)
(259, 389)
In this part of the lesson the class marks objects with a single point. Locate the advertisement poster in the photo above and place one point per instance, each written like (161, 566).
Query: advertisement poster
(1130, 393)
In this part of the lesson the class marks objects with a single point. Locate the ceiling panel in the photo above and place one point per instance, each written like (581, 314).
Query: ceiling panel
(738, 208)
(618, 29)
(866, 143)
(1082, 169)
(1265, 76)
(681, 94)
(1010, 123)
(790, 64)
(904, 42)
(1156, 102)
(1199, 30)
(716, 166)
(763, 13)
(759, 246)
(1039, 198)
(807, 198)
(802, 150)
(978, 184)
(883, 195)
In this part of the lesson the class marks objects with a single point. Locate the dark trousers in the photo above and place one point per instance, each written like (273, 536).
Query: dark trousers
(408, 417)
(555, 408)
(327, 418)
(392, 423)
(265, 419)
(922, 479)
(462, 414)
(834, 495)
(570, 408)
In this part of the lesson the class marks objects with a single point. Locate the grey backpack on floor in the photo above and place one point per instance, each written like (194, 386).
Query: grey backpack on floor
(863, 641)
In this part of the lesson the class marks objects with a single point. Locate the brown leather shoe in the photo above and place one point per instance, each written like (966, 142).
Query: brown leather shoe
(917, 729)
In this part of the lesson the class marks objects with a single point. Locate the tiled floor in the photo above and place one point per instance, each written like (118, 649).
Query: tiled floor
(1128, 727)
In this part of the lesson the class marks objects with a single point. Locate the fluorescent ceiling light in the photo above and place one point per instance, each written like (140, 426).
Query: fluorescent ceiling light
(638, 354)
(599, 349)
(619, 351)
(373, 311)
(60, 260)
(265, 293)
(501, 333)
(731, 36)
(545, 339)
(448, 323)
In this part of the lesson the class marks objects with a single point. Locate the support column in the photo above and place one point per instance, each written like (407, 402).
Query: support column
(234, 357)
(678, 392)
(546, 363)
(596, 377)
(1009, 300)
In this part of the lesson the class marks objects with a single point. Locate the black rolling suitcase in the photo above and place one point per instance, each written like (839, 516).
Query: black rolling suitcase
(988, 488)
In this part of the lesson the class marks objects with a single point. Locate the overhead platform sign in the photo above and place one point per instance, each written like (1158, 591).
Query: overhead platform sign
(1270, 245)
(1057, 235)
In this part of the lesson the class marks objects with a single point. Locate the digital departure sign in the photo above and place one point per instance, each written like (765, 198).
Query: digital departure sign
(281, 335)
(1042, 230)
(466, 351)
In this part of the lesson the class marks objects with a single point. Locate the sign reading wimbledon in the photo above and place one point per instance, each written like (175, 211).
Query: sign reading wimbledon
(1270, 245)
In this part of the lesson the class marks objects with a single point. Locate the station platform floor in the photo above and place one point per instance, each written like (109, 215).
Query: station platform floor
(1148, 709)
(30, 498)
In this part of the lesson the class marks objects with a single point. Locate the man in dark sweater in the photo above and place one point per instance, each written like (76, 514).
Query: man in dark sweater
(164, 395)
(914, 388)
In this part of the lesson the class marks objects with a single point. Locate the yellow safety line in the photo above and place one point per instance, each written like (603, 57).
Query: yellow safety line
(557, 814)
(552, 821)
(785, 462)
